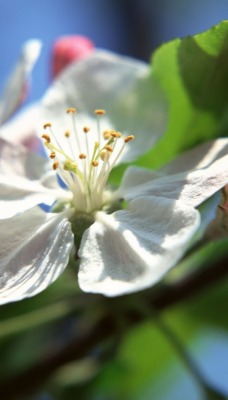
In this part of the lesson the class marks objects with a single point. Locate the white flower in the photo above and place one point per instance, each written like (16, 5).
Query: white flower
(120, 251)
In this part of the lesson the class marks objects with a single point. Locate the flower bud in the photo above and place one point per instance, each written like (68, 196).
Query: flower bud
(67, 49)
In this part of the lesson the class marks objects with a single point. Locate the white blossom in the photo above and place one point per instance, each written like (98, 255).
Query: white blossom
(125, 239)
(122, 252)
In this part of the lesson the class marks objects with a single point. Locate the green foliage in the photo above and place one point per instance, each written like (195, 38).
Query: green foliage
(193, 72)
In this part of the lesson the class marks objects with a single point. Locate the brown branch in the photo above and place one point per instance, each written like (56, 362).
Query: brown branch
(30, 380)
(190, 286)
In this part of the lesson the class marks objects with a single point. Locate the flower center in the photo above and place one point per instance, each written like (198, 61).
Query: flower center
(84, 159)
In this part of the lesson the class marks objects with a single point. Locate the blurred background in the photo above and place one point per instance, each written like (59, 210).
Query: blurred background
(146, 366)
(131, 27)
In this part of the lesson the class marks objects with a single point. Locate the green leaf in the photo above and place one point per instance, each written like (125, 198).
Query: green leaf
(193, 72)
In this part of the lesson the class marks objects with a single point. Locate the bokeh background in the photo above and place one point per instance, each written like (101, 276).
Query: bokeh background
(134, 28)
(131, 27)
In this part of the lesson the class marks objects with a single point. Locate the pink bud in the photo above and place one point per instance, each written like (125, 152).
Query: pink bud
(67, 49)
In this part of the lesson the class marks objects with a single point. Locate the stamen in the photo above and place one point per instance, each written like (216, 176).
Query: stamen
(71, 110)
(129, 138)
(107, 134)
(55, 165)
(46, 137)
(47, 125)
(52, 155)
(83, 156)
(67, 134)
(86, 130)
(100, 112)
(116, 134)
(126, 140)
(109, 148)
(84, 165)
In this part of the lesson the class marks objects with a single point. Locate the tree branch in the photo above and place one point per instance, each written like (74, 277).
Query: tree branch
(30, 380)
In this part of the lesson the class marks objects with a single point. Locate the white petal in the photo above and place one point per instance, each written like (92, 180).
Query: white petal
(22, 128)
(198, 157)
(124, 87)
(191, 187)
(16, 160)
(15, 89)
(24, 180)
(135, 176)
(34, 251)
(132, 249)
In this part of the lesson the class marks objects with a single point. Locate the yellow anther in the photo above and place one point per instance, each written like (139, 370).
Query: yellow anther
(129, 138)
(55, 165)
(100, 112)
(52, 155)
(116, 134)
(82, 156)
(86, 129)
(47, 125)
(71, 110)
(106, 135)
(67, 134)
(109, 148)
(104, 155)
(94, 163)
(46, 137)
